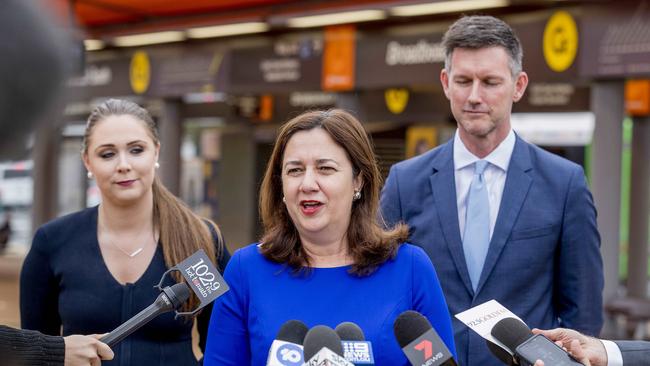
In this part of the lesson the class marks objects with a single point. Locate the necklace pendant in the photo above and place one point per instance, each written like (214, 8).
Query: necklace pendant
(135, 253)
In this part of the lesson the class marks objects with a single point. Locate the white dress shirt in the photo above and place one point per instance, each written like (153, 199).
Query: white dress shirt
(614, 356)
(494, 175)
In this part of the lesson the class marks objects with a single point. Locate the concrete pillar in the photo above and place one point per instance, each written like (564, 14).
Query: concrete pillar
(639, 209)
(45, 174)
(237, 185)
(608, 106)
(171, 133)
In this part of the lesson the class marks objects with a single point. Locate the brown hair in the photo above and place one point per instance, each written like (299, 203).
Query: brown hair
(369, 244)
(182, 232)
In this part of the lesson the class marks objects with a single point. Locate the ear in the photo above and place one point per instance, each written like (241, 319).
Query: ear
(84, 158)
(358, 182)
(157, 155)
(444, 80)
(520, 86)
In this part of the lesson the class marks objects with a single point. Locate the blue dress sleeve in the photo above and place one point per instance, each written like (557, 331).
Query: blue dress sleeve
(428, 298)
(228, 341)
(39, 290)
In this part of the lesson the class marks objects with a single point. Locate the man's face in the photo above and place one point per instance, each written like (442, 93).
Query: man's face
(481, 89)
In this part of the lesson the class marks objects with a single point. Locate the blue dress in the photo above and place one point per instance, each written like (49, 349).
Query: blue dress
(263, 295)
(66, 288)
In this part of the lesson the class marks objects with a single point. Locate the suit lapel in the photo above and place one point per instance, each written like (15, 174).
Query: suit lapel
(443, 186)
(518, 182)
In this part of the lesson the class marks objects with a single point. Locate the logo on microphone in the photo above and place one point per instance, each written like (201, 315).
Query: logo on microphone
(358, 352)
(425, 347)
(289, 354)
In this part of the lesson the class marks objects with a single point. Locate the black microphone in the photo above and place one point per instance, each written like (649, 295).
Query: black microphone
(420, 342)
(322, 347)
(286, 349)
(500, 353)
(527, 347)
(171, 298)
(355, 347)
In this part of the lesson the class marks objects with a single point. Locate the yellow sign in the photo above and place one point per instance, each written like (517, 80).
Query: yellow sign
(420, 139)
(560, 41)
(396, 100)
(140, 72)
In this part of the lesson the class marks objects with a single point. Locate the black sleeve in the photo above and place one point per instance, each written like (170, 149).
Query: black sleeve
(203, 319)
(28, 347)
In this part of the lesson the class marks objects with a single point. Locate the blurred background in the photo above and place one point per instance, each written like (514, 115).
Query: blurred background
(220, 76)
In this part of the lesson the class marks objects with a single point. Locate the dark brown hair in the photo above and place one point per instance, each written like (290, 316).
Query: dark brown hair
(481, 31)
(182, 232)
(369, 244)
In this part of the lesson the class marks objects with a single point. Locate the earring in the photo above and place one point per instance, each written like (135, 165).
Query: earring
(89, 175)
(284, 199)
(157, 165)
(356, 196)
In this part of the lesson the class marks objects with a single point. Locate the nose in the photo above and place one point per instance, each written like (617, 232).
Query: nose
(309, 181)
(475, 93)
(123, 164)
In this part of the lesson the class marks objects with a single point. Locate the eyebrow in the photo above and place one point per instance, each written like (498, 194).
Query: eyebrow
(318, 161)
(134, 142)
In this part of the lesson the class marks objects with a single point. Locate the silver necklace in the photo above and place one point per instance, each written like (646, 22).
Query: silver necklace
(130, 255)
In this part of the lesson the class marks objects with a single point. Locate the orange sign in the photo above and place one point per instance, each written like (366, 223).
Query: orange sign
(637, 98)
(338, 58)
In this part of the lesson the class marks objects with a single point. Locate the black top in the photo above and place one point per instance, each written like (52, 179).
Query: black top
(66, 288)
(28, 347)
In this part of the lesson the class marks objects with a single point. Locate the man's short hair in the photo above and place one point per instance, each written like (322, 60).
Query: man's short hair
(480, 31)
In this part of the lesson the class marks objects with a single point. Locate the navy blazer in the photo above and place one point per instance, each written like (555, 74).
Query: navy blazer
(544, 259)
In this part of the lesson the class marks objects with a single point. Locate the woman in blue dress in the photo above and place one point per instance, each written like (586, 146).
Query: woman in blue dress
(323, 258)
(90, 271)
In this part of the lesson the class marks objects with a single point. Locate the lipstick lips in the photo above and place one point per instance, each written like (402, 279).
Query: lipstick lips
(310, 207)
(126, 183)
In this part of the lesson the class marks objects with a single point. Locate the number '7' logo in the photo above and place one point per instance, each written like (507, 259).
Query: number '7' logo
(426, 347)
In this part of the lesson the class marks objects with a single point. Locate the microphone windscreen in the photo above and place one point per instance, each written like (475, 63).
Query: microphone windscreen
(511, 332)
(408, 326)
(292, 331)
(500, 353)
(321, 336)
(349, 331)
(178, 294)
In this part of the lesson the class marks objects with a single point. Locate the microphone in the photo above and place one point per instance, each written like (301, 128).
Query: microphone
(355, 347)
(322, 347)
(171, 298)
(500, 353)
(420, 342)
(528, 347)
(286, 349)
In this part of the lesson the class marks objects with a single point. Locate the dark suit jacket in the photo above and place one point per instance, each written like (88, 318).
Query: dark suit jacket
(635, 353)
(544, 260)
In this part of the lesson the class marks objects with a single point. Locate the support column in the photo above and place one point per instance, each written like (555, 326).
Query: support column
(608, 106)
(45, 173)
(171, 130)
(639, 209)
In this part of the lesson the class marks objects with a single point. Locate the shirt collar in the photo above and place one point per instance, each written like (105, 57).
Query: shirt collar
(499, 157)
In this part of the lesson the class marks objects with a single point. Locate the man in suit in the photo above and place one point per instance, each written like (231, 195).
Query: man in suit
(596, 352)
(500, 218)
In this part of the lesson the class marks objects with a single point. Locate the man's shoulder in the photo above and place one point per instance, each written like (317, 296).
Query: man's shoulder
(546, 159)
(423, 162)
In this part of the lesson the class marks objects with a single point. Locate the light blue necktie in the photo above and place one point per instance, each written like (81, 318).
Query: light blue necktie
(476, 240)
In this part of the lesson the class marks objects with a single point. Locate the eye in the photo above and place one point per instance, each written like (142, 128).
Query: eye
(326, 169)
(463, 81)
(294, 171)
(106, 154)
(136, 150)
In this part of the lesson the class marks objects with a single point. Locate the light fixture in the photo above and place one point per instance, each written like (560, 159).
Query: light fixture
(93, 44)
(336, 18)
(446, 7)
(148, 38)
(227, 30)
